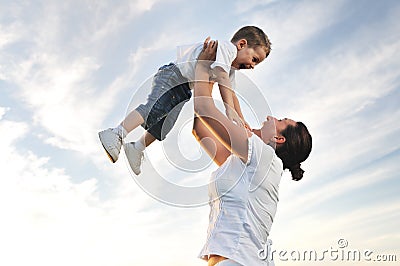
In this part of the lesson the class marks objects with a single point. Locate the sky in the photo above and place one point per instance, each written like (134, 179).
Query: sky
(69, 69)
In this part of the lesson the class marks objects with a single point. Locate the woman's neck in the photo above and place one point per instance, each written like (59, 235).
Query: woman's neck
(258, 134)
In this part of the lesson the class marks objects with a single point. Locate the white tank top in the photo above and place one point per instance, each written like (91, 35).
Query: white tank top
(243, 201)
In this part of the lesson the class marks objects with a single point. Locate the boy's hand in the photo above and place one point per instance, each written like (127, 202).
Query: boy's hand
(246, 125)
(233, 116)
(209, 52)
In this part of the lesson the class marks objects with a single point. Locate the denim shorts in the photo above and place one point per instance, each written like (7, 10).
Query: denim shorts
(169, 92)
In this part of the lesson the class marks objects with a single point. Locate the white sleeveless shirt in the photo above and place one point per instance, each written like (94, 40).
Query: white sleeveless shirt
(243, 201)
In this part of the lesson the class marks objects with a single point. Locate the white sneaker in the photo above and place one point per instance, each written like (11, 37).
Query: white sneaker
(111, 142)
(135, 157)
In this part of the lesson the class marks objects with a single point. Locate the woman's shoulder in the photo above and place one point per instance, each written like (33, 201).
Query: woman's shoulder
(256, 141)
(259, 151)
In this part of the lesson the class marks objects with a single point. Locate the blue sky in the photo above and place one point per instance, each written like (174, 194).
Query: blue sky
(69, 69)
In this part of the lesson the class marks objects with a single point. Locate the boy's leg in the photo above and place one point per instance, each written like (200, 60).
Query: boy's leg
(111, 138)
(159, 103)
(132, 121)
(148, 139)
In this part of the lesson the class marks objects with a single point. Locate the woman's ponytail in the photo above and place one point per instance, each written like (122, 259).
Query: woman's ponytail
(295, 149)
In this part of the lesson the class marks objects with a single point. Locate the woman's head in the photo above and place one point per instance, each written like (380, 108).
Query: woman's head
(293, 144)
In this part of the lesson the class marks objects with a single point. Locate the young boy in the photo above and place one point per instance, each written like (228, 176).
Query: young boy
(171, 88)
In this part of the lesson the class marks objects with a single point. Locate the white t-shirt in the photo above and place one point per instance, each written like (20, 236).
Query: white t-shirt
(243, 202)
(187, 56)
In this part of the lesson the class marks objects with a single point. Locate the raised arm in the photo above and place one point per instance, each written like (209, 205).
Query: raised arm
(225, 87)
(238, 110)
(232, 136)
(228, 96)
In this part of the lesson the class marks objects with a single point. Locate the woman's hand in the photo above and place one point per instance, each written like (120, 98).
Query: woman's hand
(209, 52)
(204, 60)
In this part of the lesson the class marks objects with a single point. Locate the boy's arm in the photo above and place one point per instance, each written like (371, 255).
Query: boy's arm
(239, 110)
(228, 96)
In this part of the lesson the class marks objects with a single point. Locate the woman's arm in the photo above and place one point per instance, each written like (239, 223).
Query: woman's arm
(233, 137)
(209, 142)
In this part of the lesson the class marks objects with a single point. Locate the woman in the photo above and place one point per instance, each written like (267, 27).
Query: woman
(244, 190)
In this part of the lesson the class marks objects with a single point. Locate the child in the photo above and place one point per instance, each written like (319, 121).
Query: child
(171, 88)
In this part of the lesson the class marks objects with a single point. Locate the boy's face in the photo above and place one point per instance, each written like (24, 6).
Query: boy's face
(247, 58)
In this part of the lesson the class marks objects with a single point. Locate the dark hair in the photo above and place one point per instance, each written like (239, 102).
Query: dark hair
(254, 36)
(295, 149)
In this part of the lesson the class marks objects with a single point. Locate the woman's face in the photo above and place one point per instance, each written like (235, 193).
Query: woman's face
(273, 127)
(281, 124)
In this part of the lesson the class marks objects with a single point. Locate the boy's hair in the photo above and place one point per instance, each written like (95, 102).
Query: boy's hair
(254, 36)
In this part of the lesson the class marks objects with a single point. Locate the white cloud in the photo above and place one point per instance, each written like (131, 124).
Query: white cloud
(321, 233)
(3, 110)
(59, 87)
(338, 188)
(62, 48)
(250, 5)
(61, 98)
(8, 34)
(47, 216)
(289, 24)
(334, 91)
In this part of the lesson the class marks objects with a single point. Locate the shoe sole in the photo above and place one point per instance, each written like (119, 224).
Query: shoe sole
(108, 154)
